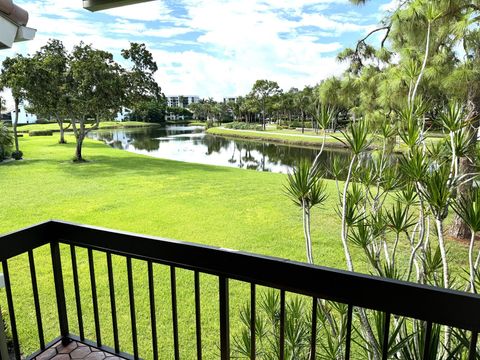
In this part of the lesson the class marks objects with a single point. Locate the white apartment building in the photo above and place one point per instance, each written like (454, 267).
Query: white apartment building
(182, 101)
(226, 100)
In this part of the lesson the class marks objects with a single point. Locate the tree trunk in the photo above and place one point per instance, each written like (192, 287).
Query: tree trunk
(62, 131)
(78, 149)
(303, 123)
(14, 125)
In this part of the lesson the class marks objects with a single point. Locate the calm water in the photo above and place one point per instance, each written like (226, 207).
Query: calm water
(191, 144)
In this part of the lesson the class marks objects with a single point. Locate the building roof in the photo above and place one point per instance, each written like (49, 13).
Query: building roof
(13, 12)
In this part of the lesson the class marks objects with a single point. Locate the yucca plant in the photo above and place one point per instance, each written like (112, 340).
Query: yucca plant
(306, 188)
(468, 208)
(267, 329)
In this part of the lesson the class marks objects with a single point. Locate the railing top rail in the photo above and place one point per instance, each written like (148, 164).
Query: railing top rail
(18, 242)
(442, 306)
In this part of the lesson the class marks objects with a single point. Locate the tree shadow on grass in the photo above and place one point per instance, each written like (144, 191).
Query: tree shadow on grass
(109, 166)
(103, 161)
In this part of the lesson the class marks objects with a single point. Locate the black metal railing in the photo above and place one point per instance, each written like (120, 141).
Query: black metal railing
(394, 298)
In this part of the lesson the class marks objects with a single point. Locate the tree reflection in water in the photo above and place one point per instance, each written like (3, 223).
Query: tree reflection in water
(184, 143)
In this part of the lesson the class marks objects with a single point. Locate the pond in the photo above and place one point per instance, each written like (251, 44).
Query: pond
(192, 144)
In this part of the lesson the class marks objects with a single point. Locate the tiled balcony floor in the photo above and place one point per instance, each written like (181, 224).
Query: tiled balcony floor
(75, 351)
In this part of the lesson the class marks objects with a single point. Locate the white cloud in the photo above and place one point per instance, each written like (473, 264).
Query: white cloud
(289, 41)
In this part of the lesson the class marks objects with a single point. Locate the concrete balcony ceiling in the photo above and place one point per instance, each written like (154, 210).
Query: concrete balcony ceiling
(97, 5)
(13, 24)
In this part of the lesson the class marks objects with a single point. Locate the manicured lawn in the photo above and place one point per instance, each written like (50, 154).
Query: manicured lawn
(103, 125)
(218, 206)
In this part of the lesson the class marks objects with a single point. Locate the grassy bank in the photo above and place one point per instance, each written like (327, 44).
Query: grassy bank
(218, 206)
(296, 138)
(276, 136)
(103, 125)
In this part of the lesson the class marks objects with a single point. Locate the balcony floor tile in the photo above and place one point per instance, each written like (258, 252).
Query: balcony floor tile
(75, 351)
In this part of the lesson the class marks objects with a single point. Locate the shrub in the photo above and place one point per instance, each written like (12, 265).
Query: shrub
(44, 121)
(17, 155)
(40, 133)
(243, 126)
(6, 141)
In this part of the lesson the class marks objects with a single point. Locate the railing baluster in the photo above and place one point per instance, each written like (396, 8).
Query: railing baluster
(78, 301)
(93, 284)
(153, 312)
(198, 319)
(11, 310)
(173, 291)
(113, 303)
(472, 355)
(253, 310)
(282, 324)
(427, 340)
(133, 316)
(313, 343)
(36, 299)
(224, 319)
(348, 337)
(59, 289)
(386, 334)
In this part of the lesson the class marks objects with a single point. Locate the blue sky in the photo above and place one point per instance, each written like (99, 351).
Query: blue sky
(216, 48)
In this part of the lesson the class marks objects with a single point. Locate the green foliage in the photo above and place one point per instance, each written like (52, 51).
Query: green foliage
(468, 208)
(148, 111)
(6, 141)
(399, 219)
(243, 126)
(267, 329)
(305, 187)
(40, 133)
(436, 189)
(17, 155)
(357, 137)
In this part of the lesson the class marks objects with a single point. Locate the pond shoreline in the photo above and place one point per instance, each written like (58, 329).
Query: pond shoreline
(309, 142)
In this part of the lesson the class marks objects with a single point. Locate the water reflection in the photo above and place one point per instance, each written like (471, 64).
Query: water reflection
(191, 144)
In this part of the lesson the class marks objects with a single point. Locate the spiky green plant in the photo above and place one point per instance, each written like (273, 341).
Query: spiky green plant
(306, 188)
(468, 208)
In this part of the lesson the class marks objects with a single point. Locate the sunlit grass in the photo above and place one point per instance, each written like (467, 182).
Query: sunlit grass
(220, 206)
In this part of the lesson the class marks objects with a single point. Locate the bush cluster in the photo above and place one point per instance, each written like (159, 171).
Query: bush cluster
(243, 126)
(40, 133)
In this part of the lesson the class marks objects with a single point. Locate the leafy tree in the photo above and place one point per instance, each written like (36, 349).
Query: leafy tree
(96, 88)
(262, 91)
(149, 111)
(419, 57)
(45, 89)
(142, 86)
(13, 76)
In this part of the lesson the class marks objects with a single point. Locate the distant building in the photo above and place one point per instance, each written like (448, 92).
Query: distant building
(23, 116)
(182, 101)
(226, 100)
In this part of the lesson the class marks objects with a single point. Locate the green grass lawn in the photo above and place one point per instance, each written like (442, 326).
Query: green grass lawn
(103, 125)
(220, 206)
